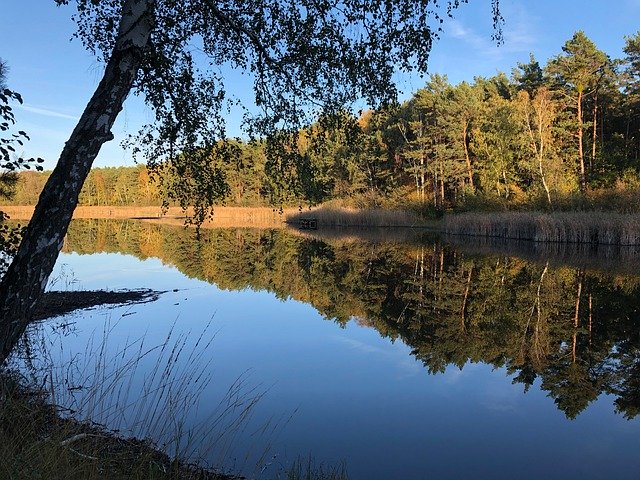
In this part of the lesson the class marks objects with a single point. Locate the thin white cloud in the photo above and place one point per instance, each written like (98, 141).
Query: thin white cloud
(46, 112)
(517, 33)
(360, 346)
(457, 29)
(519, 29)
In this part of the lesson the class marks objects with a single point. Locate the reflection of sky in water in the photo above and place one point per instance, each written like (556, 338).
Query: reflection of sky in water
(348, 394)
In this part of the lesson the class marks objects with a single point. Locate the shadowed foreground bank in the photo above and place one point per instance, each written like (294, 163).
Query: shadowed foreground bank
(37, 442)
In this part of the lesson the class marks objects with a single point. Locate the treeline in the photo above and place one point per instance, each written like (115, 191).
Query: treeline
(541, 137)
(573, 330)
(139, 186)
(104, 186)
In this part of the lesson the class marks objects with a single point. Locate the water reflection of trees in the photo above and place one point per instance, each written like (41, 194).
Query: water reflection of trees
(574, 331)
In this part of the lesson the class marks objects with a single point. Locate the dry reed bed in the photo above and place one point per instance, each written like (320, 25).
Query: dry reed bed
(24, 212)
(564, 227)
(258, 217)
(222, 216)
(351, 217)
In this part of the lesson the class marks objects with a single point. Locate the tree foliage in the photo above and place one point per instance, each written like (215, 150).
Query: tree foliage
(306, 58)
(11, 140)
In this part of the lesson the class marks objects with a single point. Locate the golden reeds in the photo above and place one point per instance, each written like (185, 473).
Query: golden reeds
(603, 228)
(351, 217)
(263, 217)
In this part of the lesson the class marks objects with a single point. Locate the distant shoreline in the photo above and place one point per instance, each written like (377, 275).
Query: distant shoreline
(266, 217)
(581, 227)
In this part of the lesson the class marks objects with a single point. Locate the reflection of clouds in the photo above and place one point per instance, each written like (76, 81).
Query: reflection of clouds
(453, 374)
(361, 346)
(501, 397)
(410, 367)
(483, 383)
(395, 353)
(499, 406)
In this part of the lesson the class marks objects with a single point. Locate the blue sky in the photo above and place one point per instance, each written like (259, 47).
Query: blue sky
(56, 77)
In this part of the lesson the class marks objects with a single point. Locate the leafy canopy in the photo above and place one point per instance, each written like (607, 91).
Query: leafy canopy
(10, 162)
(307, 58)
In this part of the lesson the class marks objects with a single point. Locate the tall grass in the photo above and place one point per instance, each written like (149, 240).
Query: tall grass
(238, 217)
(36, 442)
(121, 414)
(352, 217)
(564, 227)
(138, 391)
(24, 212)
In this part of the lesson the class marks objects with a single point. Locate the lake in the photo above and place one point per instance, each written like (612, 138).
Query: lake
(409, 358)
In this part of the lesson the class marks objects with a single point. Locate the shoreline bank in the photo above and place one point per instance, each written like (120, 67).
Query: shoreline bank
(581, 227)
(585, 228)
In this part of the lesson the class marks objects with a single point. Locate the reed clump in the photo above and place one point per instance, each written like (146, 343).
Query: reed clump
(36, 441)
(309, 469)
(116, 410)
(595, 228)
(354, 217)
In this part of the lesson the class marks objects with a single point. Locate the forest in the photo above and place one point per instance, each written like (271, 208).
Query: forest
(564, 135)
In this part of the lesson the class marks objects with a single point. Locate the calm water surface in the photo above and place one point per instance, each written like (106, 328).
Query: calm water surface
(403, 360)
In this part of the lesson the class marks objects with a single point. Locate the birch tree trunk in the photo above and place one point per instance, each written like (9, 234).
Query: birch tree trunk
(541, 138)
(27, 276)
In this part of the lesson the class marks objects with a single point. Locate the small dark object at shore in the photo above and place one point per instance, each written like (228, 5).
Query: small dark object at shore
(308, 223)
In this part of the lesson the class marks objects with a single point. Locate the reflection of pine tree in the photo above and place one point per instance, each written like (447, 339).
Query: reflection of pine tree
(570, 387)
(627, 383)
